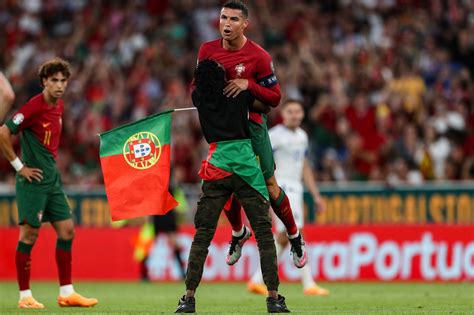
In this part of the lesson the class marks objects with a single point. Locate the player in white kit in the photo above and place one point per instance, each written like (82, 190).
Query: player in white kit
(290, 149)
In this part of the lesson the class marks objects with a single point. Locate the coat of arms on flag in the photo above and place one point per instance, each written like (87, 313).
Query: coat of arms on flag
(135, 160)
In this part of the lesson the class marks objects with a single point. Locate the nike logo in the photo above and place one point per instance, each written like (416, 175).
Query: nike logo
(45, 125)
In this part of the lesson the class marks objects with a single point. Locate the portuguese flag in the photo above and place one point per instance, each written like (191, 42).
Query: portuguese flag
(135, 160)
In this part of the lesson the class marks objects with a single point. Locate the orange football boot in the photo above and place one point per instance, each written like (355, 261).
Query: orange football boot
(76, 299)
(29, 302)
(316, 290)
(257, 288)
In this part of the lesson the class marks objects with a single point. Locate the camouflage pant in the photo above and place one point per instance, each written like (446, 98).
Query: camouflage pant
(214, 196)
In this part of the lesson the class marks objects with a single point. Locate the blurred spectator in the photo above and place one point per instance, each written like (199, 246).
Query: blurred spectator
(387, 85)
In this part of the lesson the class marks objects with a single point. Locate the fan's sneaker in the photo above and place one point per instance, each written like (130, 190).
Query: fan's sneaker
(236, 244)
(298, 250)
(76, 299)
(257, 288)
(277, 305)
(186, 305)
(316, 290)
(29, 302)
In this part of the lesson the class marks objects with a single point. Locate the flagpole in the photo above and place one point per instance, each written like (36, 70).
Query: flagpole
(183, 109)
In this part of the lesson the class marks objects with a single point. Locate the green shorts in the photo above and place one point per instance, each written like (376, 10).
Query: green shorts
(35, 207)
(262, 147)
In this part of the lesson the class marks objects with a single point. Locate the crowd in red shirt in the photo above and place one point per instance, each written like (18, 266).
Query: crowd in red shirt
(387, 85)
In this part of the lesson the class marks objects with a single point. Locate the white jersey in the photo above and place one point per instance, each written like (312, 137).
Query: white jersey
(290, 148)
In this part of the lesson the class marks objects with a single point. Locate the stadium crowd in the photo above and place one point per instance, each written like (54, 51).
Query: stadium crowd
(387, 85)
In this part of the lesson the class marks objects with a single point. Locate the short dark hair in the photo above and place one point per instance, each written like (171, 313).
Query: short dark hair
(50, 67)
(209, 78)
(238, 5)
(289, 101)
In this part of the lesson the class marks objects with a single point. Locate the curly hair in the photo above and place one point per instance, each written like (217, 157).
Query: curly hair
(55, 65)
(209, 78)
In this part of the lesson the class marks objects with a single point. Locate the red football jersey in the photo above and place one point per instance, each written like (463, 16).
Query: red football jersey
(251, 62)
(43, 120)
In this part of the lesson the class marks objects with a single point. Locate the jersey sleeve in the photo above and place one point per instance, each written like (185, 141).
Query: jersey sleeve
(266, 88)
(23, 118)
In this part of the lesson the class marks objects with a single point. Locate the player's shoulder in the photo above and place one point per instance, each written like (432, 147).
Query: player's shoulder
(276, 130)
(257, 49)
(34, 103)
(37, 99)
(208, 49)
(256, 46)
(211, 44)
(302, 133)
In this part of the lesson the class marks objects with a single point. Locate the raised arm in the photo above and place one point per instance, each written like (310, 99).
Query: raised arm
(7, 96)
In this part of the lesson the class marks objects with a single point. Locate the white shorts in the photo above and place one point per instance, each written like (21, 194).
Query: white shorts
(294, 192)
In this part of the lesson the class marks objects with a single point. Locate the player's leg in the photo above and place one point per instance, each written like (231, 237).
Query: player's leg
(240, 233)
(168, 224)
(59, 213)
(297, 249)
(30, 211)
(279, 201)
(214, 196)
(295, 194)
(281, 206)
(173, 241)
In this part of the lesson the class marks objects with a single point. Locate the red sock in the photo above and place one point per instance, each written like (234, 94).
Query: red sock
(64, 261)
(23, 265)
(283, 211)
(234, 214)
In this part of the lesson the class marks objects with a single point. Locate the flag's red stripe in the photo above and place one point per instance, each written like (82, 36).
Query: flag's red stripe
(134, 193)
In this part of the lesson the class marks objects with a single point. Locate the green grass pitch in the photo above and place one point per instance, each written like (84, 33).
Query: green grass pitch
(228, 298)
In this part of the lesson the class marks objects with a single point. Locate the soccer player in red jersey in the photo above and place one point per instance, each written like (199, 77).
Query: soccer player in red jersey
(39, 194)
(249, 67)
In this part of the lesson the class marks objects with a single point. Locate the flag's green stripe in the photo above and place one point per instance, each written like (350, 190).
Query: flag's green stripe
(112, 141)
(138, 121)
(237, 156)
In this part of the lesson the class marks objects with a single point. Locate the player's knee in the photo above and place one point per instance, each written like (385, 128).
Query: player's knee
(70, 234)
(29, 237)
(67, 235)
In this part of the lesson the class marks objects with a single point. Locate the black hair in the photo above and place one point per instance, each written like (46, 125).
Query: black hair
(238, 5)
(209, 78)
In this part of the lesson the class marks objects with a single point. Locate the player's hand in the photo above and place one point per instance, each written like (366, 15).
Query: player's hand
(234, 87)
(31, 173)
(319, 203)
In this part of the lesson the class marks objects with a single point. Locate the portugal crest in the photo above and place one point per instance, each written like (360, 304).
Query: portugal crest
(239, 69)
(142, 150)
